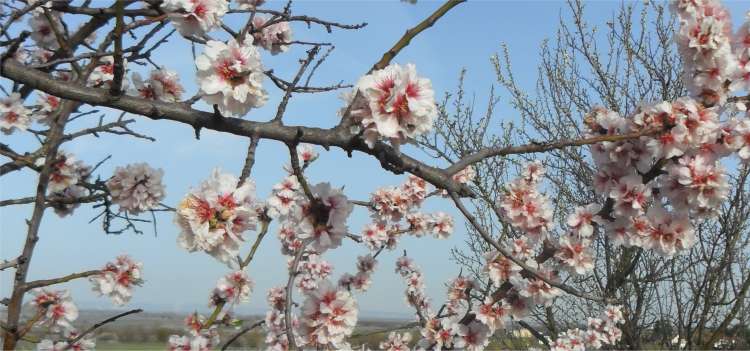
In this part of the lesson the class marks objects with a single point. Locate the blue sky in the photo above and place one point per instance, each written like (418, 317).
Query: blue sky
(179, 281)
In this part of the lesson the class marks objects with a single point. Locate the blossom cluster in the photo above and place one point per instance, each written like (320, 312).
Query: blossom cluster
(117, 279)
(390, 206)
(329, 315)
(275, 325)
(162, 84)
(321, 221)
(396, 104)
(524, 207)
(687, 151)
(87, 343)
(704, 40)
(136, 188)
(46, 105)
(197, 338)
(362, 279)
(65, 182)
(214, 216)
(415, 287)
(396, 342)
(232, 288)
(599, 332)
(500, 268)
(56, 308)
(104, 73)
(313, 270)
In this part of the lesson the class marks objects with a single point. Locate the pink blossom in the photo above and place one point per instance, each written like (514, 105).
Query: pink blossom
(118, 278)
(136, 187)
(162, 84)
(56, 307)
(195, 17)
(274, 37)
(233, 288)
(328, 315)
(396, 342)
(400, 105)
(214, 216)
(230, 76)
(13, 115)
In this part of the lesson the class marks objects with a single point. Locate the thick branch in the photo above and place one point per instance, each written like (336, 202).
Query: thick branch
(390, 159)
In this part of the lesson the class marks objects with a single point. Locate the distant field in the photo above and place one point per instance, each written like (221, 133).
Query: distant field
(150, 331)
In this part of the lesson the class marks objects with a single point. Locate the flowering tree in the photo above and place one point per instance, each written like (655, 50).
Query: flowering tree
(654, 289)
(655, 170)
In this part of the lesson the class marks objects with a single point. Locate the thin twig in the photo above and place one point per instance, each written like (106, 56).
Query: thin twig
(241, 333)
(98, 325)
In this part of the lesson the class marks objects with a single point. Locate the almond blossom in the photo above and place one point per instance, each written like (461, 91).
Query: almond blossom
(118, 278)
(13, 115)
(67, 206)
(47, 104)
(275, 325)
(230, 76)
(43, 31)
(704, 40)
(399, 104)
(323, 221)
(669, 232)
(415, 287)
(86, 343)
(328, 316)
(312, 271)
(492, 314)
(136, 187)
(583, 219)
(442, 225)
(396, 342)
(500, 268)
(187, 343)
(537, 290)
(214, 216)
(273, 37)
(524, 207)
(465, 175)
(375, 236)
(472, 337)
(575, 254)
(439, 333)
(162, 84)
(233, 288)
(195, 17)
(599, 332)
(104, 73)
(306, 153)
(362, 279)
(703, 184)
(56, 308)
(66, 172)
